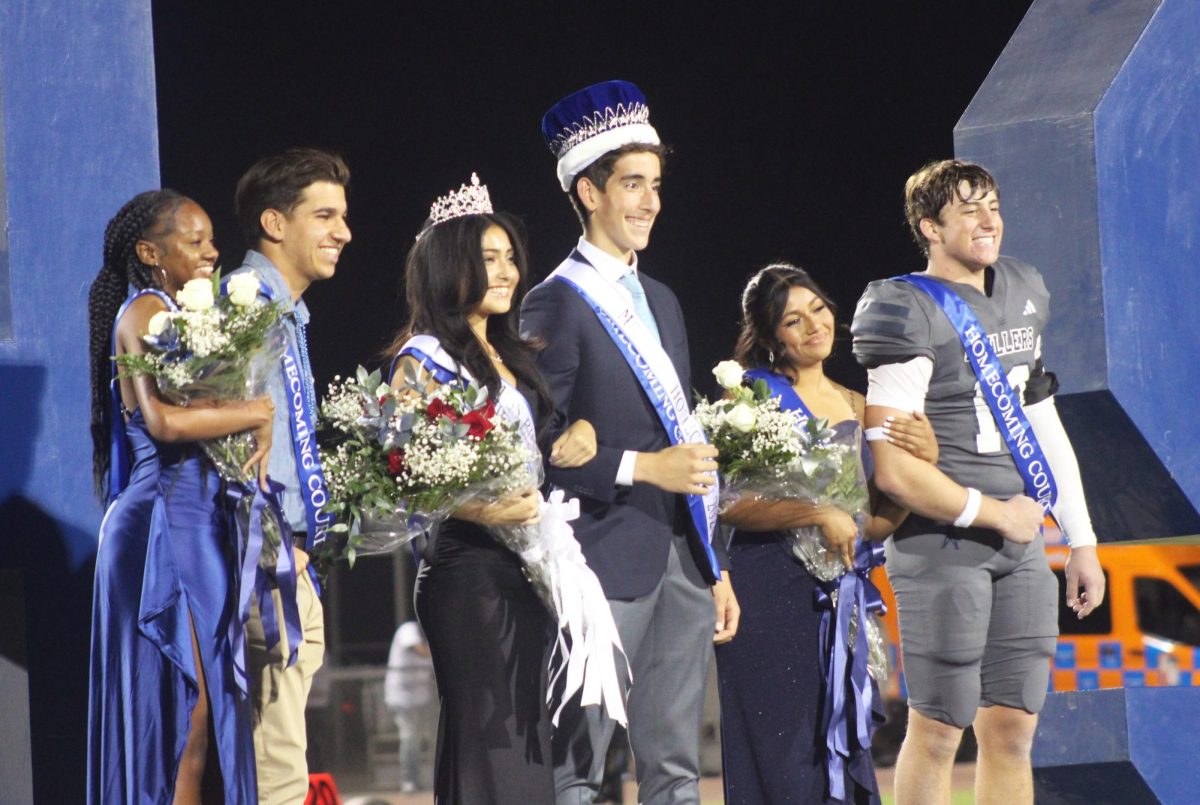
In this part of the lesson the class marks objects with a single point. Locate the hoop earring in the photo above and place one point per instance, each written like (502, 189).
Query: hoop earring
(771, 357)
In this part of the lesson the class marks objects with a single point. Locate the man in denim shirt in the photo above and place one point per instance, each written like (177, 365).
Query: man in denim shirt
(292, 210)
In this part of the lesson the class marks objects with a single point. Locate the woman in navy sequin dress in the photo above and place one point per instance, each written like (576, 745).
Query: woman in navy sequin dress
(773, 677)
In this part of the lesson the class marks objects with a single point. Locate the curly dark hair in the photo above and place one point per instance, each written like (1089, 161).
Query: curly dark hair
(147, 216)
(445, 278)
(763, 304)
(936, 185)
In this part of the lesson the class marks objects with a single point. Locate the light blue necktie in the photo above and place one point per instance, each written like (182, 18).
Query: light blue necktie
(630, 282)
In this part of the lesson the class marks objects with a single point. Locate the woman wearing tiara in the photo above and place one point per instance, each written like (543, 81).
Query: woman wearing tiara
(166, 720)
(777, 694)
(489, 633)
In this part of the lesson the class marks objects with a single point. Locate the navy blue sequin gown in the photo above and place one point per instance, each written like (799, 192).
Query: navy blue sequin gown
(771, 682)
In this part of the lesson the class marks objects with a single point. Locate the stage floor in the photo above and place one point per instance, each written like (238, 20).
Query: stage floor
(710, 790)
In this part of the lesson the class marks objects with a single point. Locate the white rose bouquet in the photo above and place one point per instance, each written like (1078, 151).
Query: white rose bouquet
(217, 347)
(776, 454)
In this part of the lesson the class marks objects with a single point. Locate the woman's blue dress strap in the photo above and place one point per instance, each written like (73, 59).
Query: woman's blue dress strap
(118, 456)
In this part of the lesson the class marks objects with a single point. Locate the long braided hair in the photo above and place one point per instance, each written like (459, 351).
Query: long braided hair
(147, 216)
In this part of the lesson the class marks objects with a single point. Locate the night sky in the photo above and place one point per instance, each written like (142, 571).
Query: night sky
(793, 131)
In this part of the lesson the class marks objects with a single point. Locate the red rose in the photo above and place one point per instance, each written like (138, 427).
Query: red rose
(439, 408)
(480, 420)
(395, 462)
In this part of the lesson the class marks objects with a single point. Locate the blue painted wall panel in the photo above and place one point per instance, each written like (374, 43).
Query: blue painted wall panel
(79, 137)
(1089, 120)
(1147, 163)
(1051, 223)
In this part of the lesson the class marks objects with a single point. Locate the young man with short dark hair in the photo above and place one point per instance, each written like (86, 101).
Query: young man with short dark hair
(292, 209)
(616, 354)
(962, 341)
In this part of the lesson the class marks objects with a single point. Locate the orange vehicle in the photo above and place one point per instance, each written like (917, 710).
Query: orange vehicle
(1146, 633)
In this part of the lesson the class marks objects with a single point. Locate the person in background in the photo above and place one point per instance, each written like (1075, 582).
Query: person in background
(407, 692)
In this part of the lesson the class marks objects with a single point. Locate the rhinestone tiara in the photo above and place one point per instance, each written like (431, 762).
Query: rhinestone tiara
(598, 122)
(472, 199)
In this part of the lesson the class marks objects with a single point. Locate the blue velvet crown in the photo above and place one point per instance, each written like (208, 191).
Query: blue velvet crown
(590, 111)
(589, 123)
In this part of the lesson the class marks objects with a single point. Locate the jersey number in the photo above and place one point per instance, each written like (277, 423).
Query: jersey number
(989, 439)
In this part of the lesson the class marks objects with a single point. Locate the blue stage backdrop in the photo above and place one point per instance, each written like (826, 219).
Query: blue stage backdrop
(79, 137)
(1089, 121)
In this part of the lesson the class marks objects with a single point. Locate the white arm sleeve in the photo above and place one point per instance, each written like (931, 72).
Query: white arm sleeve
(900, 385)
(1071, 509)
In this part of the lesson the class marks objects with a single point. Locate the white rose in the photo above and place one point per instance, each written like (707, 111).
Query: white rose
(243, 289)
(158, 323)
(196, 294)
(728, 374)
(741, 418)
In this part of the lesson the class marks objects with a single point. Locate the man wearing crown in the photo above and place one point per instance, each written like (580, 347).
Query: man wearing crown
(616, 354)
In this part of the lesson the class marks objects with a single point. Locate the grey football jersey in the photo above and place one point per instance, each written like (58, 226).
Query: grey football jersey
(897, 321)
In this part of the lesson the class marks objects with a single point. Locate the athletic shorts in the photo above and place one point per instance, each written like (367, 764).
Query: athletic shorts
(978, 619)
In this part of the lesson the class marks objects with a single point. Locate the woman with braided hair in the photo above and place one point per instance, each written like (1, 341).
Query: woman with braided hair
(167, 721)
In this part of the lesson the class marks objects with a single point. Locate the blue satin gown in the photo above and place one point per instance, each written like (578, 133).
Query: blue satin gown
(165, 552)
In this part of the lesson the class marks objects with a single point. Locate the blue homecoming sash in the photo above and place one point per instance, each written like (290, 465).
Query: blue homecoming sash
(838, 663)
(779, 387)
(308, 458)
(424, 348)
(1000, 396)
(654, 372)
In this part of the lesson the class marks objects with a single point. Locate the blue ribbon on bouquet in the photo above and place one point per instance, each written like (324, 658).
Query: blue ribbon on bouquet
(252, 578)
(1004, 402)
(839, 665)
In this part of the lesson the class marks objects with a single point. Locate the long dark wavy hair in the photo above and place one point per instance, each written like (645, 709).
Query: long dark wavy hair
(445, 279)
(147, 216)
(763, 304)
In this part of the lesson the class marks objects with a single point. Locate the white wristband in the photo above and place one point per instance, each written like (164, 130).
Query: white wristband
(970, 510)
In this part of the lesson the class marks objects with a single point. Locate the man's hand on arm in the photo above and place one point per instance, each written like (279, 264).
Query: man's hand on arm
(923, 488)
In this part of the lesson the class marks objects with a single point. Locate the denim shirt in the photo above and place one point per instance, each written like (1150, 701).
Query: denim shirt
(281, 465)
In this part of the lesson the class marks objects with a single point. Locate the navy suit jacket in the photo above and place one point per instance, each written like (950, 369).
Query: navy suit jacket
(625, 532)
